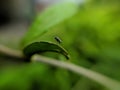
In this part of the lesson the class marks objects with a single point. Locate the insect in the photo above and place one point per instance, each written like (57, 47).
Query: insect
(58, 39)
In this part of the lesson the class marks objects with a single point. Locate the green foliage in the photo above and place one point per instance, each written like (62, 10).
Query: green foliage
(48, 19)
(34, 77)
(40, 47)
(91, 36)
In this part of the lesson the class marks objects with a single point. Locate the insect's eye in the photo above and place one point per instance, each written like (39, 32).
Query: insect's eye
(58, 39)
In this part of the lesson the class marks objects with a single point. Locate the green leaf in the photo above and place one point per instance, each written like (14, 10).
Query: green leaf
(49, 18)
(40, 47)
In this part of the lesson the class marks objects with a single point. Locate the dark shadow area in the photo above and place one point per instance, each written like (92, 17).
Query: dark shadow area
(4, 17)
(4, 12)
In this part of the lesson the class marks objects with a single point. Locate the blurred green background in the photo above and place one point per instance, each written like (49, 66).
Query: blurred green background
(92, 38)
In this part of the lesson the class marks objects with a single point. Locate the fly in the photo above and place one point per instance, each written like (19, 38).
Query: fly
(58, 39)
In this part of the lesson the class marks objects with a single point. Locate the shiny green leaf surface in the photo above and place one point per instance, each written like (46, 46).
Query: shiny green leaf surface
(40, 47)
(49, 18)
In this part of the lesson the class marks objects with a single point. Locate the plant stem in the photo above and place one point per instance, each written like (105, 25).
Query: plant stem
(99, 78)
(10, 52)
